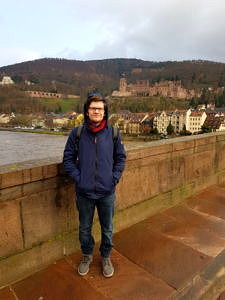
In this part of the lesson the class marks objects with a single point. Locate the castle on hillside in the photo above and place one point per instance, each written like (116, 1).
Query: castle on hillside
(165, 88)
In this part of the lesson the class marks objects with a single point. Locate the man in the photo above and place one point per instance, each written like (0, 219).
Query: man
(96, 166)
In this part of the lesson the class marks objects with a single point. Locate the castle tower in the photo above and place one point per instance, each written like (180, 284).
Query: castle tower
(123, 85)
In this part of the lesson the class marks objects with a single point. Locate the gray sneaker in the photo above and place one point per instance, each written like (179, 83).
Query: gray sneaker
(107, 267)
(83, 267)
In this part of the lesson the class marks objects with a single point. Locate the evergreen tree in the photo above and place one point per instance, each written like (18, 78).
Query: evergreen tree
(170, 129)
(205, 128)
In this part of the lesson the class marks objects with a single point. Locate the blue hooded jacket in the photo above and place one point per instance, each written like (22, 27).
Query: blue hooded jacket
(98, 164)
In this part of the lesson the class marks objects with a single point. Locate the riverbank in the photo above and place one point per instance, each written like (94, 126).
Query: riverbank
(35, 131)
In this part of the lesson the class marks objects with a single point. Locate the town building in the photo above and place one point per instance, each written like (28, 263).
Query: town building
(161, 121)
(178, 119)
(129, 123)
(6, 80)
(215, 122)
(196, 120)
(38, 120)
(147, 124)
(4, 118)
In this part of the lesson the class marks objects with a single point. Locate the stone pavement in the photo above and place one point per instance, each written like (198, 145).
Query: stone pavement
(176, 254)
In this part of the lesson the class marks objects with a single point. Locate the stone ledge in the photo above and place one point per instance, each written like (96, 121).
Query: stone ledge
(31, 171)
(206, 284)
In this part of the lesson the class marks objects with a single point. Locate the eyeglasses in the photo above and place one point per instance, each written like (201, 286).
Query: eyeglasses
(96, 109)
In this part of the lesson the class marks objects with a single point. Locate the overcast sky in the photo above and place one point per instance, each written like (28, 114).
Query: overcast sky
(154, 30)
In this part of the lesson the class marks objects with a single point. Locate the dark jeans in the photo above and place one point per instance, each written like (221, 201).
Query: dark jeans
(105, 208)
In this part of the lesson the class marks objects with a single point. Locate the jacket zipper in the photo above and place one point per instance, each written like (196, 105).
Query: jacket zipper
(95, 141)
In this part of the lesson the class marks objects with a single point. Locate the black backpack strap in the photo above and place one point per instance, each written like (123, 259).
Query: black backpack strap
(77, 137)
(115, 133)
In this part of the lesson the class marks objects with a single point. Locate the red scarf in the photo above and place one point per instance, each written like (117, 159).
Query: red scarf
(93, 128)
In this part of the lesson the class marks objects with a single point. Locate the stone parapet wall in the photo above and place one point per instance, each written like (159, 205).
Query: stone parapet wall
(38, 219)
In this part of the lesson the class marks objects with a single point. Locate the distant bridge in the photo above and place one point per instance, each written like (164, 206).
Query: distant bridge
(41, 94)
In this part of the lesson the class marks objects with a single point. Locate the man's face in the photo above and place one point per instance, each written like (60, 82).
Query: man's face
(96, 112)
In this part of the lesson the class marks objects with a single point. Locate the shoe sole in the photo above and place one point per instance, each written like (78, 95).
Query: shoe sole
(82, 274)
(108, 275)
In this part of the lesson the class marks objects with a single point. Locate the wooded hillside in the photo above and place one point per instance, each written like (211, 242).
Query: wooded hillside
(79, 77)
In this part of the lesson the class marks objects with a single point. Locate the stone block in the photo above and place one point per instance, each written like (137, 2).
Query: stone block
(205, 140)
(36, 173)
(138, 185)
(182, 152)
(26, 175)
(188, 167)
(205, 182)
(219, 156)
(176, 172)
(11, 179)
(40, 186)
(11, 239)
(149, 151)
(71, 242)
(10, 193)
(205, 148)
(161, 149)
(220, 137)
(44, 216)
(26, 263)
(183, 145)
(163, 175)
(203, 164)
(33, 187)
(50, 170)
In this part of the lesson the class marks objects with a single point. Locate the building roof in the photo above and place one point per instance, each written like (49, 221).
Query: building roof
(214, 122)
(197, 113)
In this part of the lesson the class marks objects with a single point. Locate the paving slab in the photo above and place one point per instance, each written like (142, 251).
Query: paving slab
(6, 294)
(163, 257)
(210, 201)
(213, 193)
(58, 281)
(129, 281)
(203, 233)
(195, 218)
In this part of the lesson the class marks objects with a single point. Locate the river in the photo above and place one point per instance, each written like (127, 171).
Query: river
(23, 146)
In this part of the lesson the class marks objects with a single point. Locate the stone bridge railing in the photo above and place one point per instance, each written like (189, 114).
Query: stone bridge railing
(38, 218)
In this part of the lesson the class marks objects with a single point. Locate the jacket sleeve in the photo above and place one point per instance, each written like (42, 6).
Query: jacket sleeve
(119, 158)
(70, 157)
